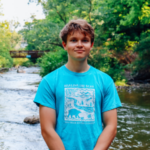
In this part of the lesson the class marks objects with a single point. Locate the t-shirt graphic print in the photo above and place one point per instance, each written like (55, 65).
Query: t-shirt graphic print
(79, 105)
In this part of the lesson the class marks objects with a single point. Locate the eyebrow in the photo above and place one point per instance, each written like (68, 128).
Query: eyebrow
(85, 37)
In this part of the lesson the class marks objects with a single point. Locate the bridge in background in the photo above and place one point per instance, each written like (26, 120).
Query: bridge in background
(27, 54)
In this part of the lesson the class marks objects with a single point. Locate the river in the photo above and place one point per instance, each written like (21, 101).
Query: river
(17, 91)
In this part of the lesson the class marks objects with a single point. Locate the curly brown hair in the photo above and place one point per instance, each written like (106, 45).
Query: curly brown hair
(77, 25)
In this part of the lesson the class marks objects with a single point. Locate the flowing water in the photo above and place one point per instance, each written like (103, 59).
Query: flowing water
(133, 121)
(17, 91)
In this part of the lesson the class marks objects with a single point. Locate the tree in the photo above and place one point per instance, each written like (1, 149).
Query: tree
(125, 22)
(8, 40)
(44, 34)
(5, 35)
(41, 35)
(143, 60)
(118, 24)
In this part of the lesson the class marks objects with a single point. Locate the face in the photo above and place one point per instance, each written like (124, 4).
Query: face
(78, 46)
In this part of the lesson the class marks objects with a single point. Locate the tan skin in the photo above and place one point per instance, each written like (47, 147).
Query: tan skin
(78, 47)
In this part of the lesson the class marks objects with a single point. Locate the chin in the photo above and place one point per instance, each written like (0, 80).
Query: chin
(78, 58)
(81, 58)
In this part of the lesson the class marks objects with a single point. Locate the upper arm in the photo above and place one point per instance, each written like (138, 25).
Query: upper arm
(45, 95)
(110, 118)
(47, 117)
(111, 99)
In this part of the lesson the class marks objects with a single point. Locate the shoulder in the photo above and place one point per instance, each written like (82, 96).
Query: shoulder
(50, 80)
(104, 77)
(52, 76)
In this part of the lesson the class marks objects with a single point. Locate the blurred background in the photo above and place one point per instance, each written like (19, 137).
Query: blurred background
(30, 48)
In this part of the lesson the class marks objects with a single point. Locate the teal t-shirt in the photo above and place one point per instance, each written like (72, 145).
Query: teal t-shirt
(79, 100)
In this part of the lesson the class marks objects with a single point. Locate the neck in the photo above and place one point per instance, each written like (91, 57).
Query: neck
(77, 66)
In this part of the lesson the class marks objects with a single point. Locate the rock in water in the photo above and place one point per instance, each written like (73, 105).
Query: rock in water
(4, 70)
(32, 119)
(20, 71)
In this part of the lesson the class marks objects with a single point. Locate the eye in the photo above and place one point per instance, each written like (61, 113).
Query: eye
(73, 40)
(85, 40)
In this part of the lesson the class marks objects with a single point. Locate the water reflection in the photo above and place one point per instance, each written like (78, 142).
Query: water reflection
(138, 97)
(133, 122)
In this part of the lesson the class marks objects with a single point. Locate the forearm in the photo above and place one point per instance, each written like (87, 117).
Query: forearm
(106, 138)
(53, 140)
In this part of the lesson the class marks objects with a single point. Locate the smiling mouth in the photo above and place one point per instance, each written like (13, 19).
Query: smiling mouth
(79, 51)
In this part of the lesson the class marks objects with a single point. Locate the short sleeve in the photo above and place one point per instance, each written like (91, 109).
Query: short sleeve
(111, 99)
(45, 95)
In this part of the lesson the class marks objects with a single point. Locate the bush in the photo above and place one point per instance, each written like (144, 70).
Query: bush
(143, 60)
(103, 60)
(27, 63)
(22, 62)
(121, 83)
(19, 61)
(51, 61)
(100, 59)
(5, 61)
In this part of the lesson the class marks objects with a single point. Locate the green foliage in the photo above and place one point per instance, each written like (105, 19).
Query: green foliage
(119, 25)
(103, 60)
(121, 83)
(143, 50)
(4, 62)
(8, 40)
(20, 61)
(123, 21)
(27, 63)
(5, 35)
(41, 35)
(44, 34)
(14, 39)
(52, 61)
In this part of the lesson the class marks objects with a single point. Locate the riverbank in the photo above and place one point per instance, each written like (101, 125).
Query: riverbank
(135, 85)
(119, 85)
(3, 70)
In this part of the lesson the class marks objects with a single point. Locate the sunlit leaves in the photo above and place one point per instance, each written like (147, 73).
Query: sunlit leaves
(5, 36)
(8, 39)
(145, 15)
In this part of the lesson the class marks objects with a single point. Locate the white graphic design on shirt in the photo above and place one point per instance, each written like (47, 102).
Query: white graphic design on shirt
(79, 105)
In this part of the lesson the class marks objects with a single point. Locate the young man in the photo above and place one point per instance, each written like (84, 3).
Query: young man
(78, 102)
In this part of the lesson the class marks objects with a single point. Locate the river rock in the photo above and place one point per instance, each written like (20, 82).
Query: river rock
(17, 66)
(20, 71)
(32, 119)
(4, 70)
(144, 93)
(12, 68)
(35, 72)
(143, 75)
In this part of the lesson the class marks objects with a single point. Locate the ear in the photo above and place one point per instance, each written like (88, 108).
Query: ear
(64, 44)
(91, 45)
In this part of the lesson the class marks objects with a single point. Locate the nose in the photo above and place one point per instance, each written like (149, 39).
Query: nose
(79, 43)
